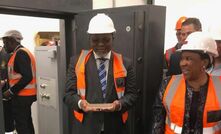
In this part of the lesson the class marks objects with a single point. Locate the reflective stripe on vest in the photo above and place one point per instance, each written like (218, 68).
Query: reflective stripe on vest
(119, 72)
(178, 130)
(80, 72)
(14, 77)
(174, 99)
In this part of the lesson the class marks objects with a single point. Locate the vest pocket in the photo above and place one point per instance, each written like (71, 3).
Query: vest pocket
(120, 82)
(213, 116)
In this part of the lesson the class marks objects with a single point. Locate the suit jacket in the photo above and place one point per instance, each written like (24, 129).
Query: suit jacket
(92, 122)
(174, 68)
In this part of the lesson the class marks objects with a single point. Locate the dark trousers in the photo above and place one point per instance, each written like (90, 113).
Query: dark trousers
(8, 118)
(21, 108)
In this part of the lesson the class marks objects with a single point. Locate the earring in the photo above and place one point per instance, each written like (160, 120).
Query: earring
(203, 68)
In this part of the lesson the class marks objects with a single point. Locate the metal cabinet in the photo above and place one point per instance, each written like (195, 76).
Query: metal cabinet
(48, 94)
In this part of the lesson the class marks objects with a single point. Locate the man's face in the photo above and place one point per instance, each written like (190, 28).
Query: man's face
(218, 42)
(185, 31)
(191, 65)
(8, 45)
(101, 43)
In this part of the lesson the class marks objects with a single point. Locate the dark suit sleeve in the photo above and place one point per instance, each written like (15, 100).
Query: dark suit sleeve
(131, 91)
(71, 97)
(174, 67)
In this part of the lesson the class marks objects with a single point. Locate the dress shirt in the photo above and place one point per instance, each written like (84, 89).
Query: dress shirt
(106, 63)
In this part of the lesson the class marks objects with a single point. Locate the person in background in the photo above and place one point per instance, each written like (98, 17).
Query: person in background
(22, 81)
(215, 31)
(189, 103)
(49, 43)
(189, 26)
(172, 50)
(8, 120)
(100, 76)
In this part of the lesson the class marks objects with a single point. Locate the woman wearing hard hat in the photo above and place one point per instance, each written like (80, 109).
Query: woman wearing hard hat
(190, 103)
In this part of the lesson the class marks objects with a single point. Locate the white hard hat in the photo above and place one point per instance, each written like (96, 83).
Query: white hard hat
(13, 34)
(101, 23)
(199, 41)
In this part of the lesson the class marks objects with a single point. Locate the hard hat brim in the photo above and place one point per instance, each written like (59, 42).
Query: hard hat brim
(101, 32)
(203, 51)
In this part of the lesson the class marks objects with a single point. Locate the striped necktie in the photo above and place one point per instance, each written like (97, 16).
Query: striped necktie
(102, 76)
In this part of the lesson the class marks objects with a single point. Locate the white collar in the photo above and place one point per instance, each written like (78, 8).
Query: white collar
(107, 56)
(16, 48)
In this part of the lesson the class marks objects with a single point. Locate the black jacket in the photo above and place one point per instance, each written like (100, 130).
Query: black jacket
(174, 68)
(4, 57)
(93, 121)
(22, 65)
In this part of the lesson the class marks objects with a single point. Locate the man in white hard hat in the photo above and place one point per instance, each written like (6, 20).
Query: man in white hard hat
(22, 81)
(101, 84)
(190, 103)
(215, 31)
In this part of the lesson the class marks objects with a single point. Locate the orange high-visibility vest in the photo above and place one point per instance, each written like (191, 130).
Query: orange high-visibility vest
(119, 72)
(174, 102)
(14, 77)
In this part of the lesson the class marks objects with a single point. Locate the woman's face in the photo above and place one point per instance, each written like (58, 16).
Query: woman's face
(192, 65)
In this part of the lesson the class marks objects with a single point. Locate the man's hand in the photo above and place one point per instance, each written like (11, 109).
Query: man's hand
(7, 95)
(84, 106)
(116, 106)
(3, 82)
